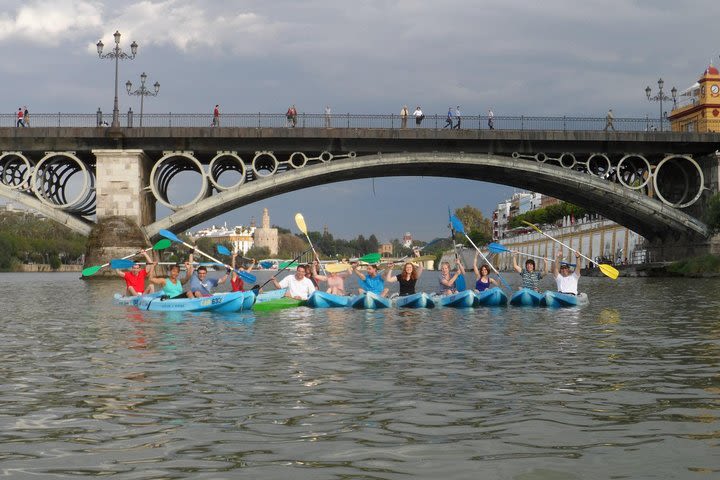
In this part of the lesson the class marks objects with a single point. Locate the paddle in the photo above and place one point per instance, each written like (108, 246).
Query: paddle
(423, 258)
(369, 258)
(122, 264)
(171, 236)
(223, 250)
(606, 269)
(460, 281)
(289, 263)
(337, 267)
(300, 222)
(457, 225)
(160, 245)
(497, 248)
(257, 288)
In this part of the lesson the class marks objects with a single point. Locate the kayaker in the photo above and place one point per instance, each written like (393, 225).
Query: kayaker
(335, 281)
(298, 285)
(482, 276)
(407, 278)
(311, 273)
(201, 285)
(236, 283)
(372, 282)
(567, 281)
(530, 277)
(135, 277)
(447, 281)
(172, 286)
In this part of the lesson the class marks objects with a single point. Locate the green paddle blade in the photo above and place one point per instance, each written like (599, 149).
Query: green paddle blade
(91, 270)
(370, 258)
(286, 264)
(162, 244)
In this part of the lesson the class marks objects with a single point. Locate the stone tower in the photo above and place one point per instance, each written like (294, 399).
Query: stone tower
(266, 236)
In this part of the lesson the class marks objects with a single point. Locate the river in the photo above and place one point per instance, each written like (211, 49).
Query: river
(627, 387)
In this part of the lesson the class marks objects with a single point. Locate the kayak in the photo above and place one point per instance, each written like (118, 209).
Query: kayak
(464, 299)
(564, 300)
(369, 301)
(416, 300)
(271, 295)
(492, 297)
(248, 299)
(133, 301)
(278, 304)
(526, 298)
(224, 302)
(320, 299)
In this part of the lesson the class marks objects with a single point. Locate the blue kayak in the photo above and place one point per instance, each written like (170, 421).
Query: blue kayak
(223, 302)
(564, 300)
(526, 298)
(271, 295)
(416, 300)
(369, 301)
(118, 299)
(320, 299)
(464, 299)
(249, 300)
(492, 297)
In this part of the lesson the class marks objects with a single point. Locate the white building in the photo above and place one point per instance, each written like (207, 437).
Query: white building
(407, 240)
(241, 238)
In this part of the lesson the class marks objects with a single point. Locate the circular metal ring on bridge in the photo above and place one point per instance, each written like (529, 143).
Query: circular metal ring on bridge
(325, 156)
(541, 157)
(226, 162)
(264, 164)
(54, 179)
(599, 165)
(677, 178)
(169, 166)
(567, 160)
(515, 155)
(352, 154)
(633, 171)
(297, 160)
(15, 170)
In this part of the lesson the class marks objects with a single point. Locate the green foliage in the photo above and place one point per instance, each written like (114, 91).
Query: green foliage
(25, 237)
(547, 215)
(477, 227)
(712, 213)
(55, 262)
(258, 253)
(702, 264)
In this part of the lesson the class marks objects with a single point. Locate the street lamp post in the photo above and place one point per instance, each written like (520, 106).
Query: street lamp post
(142, 92)
(660, 97)
(117, 54)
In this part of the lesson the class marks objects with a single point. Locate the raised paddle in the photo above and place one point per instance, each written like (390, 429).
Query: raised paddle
(337, 267)
(171, 236)
(160, 245)
(460, 281)
(223, 250)
(458, 225)
(607, 270)
(289, 263)
(257, 288)
(369, 258)
(497, 248)
(300, 222)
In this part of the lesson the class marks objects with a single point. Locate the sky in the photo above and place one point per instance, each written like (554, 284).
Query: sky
(555, 57)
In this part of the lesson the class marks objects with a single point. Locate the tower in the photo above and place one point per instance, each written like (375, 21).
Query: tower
(699, 107)
(266, 236)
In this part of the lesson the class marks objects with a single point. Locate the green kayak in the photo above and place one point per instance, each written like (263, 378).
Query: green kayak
(278, 304)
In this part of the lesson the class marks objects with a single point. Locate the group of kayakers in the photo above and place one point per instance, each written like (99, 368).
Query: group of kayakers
(306, 279)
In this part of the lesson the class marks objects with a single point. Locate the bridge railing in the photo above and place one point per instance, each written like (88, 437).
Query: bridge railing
(335, 120)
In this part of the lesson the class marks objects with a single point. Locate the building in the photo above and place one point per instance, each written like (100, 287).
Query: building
(386, 249)
(407, 240)
(241, 238)
(266, 236)
(698, 108)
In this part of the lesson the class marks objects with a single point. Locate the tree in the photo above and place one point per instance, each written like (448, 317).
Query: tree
(477, 227)
(258, 253)
(290, 245)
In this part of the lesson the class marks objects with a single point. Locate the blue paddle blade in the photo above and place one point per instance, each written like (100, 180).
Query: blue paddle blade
(460, 283)
(266, 264)
(247, 277)
(457, 224)
(121, 263)
(497, 248)
(222, 250)
(169, 235)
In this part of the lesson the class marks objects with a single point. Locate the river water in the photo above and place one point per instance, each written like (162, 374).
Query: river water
(627, 387)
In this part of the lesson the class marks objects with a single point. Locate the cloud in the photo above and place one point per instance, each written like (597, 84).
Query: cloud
(49, 21)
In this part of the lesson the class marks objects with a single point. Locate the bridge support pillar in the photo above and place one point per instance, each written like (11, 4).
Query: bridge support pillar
(124, 205)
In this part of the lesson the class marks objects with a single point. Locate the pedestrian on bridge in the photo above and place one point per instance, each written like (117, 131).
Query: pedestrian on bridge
(216, 116)
(404, 112)
(20, 118)
(457, 117)
(291, 116)
(609, 120)
(328, 114)
(449, 119)
(418, 114)
(26, 117)
(491, 117)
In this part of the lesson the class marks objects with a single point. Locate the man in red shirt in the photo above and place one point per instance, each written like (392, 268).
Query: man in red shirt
(135, 277)
(216, 116)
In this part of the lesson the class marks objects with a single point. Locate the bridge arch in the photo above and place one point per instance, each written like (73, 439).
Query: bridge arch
(632, 209)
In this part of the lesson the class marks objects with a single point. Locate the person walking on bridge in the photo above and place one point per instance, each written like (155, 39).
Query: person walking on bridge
(404, 112)
(216, 116)
(609, 120)
(449, 119)
(20, 118)
(491, 119)
(418, 114)
(457, 117)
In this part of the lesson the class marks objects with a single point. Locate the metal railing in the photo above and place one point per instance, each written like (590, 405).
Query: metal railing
(336, 120)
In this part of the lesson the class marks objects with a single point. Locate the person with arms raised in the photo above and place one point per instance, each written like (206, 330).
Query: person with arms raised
(135, 277)
(298, 285)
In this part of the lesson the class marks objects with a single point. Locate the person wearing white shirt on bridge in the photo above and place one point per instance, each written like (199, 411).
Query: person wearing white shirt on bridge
(418, 114)
(298, 286)
(567, 282)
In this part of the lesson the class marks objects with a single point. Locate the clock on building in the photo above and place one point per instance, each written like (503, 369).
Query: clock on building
(714, 90)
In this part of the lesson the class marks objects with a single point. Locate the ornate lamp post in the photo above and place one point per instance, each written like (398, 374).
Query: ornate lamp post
(142, 91)
(117, 54)
(660, 97)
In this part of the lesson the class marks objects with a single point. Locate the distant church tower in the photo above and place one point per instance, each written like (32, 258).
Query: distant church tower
(266, 236)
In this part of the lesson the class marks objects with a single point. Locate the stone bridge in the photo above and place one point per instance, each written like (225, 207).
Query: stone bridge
(106, 182)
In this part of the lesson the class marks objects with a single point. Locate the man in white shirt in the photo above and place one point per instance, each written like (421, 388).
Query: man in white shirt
(298, 286)
(567, 282)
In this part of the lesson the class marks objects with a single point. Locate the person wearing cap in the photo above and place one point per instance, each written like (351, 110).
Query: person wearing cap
(372, 282)
(135, 277)
(567, 281)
